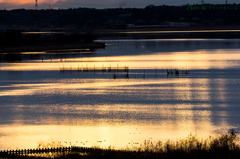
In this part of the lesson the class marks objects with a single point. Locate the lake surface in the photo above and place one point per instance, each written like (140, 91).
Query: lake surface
(40, 103)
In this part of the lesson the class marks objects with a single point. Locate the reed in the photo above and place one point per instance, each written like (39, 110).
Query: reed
(223, 146)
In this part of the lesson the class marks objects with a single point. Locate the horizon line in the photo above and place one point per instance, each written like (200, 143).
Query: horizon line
(116, 7)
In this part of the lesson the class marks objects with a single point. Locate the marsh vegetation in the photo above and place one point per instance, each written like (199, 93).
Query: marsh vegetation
(221, 146)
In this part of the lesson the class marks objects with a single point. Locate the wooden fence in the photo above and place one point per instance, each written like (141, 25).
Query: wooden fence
(25, 152)
(6, 153)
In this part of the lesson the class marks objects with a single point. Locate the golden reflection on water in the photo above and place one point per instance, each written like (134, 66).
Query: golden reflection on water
(191, 31)
(63, 88)
(125, 127)
(50, 32)
(177, 120)
(176, 60)
(180, 87)
(33, 53)
(119, 136)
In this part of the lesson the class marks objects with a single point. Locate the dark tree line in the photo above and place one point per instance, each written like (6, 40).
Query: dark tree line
(89, 17)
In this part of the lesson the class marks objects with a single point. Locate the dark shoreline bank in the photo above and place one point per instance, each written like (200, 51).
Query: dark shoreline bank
(52, 47)
(13, 41)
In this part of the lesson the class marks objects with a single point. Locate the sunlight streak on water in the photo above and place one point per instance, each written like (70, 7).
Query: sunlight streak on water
(120, 136)
(178, 107)
(191, 31)
(177, 60)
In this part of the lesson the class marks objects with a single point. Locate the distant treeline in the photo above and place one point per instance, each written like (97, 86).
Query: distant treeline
(15, 38)
(118, 17)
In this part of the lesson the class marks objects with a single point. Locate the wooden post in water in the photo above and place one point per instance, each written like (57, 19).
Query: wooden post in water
(155, 72)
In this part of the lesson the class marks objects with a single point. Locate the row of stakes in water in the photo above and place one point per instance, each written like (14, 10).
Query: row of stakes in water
(117, 69)
(95, 69)
(177, 72)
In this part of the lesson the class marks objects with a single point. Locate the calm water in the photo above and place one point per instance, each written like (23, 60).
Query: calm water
(38, 103)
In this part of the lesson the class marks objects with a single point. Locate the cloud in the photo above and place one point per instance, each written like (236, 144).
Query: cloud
(26, 2)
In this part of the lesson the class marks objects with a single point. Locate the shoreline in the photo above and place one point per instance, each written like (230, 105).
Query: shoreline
(114, 31)
(175, 33)
(52, 47)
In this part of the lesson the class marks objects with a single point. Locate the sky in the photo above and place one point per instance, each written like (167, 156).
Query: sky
(99, 4)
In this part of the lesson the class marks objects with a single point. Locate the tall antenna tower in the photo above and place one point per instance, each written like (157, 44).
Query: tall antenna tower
(202, 1)
(36, 5)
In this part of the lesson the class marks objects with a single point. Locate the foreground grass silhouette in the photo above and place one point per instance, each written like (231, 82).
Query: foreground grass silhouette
(224, 146)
